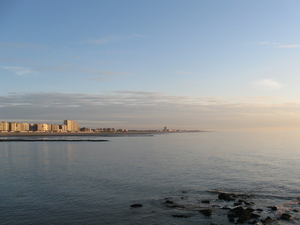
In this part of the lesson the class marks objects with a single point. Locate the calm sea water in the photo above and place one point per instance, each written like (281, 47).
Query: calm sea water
(96, 182)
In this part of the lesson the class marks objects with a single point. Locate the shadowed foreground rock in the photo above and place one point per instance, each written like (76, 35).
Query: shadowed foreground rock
(226, 197)
(206, 212)
(136, 205)
(285, 216)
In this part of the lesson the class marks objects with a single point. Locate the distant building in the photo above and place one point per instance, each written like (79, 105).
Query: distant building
(84, 129)
(71, 125)
(33, 127)
(63, 128)
(4, 126)
(54, 128)
(43, 127)
(15, 126)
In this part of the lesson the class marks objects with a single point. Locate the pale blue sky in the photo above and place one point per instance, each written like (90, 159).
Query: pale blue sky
(212, 65)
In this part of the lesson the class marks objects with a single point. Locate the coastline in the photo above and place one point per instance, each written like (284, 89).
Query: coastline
(103, 134)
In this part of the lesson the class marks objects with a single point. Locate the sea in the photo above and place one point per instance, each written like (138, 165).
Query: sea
(172, 176)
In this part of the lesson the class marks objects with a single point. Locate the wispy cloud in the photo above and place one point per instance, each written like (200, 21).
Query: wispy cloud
(278, 45)
(266, 84)
(111, 39)
(289, 46)
(268, 43)
(139, 109)
(21, 71)
(101, 76)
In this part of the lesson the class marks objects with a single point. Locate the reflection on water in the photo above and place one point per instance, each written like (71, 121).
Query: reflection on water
(84, 183)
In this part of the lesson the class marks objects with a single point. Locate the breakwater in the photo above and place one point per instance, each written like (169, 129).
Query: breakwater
(59, 140)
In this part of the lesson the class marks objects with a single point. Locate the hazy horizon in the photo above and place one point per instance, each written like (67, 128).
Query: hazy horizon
(208, 65)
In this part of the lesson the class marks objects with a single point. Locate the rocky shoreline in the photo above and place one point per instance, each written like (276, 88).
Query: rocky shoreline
(237, 210)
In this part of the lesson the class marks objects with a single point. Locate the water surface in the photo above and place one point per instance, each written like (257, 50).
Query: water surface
(96, 182)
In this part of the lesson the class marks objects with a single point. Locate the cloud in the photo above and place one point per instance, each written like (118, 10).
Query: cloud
(268, 43)
(146, 110)
(277, 45)
(289, 46)
(19, 70)
(266, 84)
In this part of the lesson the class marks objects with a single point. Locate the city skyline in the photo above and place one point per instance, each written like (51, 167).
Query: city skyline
(209, 65)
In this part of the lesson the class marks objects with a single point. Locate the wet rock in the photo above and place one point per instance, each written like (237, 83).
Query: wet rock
(253, 215)
(181, 215)
(241, 220)
(273, 208)
(136, 205)
(206, 212)
(205, 201)
(184, 192)
(243, 201)
(242, 214)
(231, 219)
(237, 203)
(259, 210)
(285, 216)
(226, 197)
(267, 221)
(177, 206)
(169, 202)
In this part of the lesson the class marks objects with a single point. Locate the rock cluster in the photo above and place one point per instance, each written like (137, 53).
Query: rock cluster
(240, 212)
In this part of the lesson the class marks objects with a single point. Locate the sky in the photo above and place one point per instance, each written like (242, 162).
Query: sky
(197, 64)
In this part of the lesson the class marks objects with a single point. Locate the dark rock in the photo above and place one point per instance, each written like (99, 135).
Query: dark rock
(259, 210)
(184, 192)
(285, 216)
(136, 205)
(237, 204)
(250, 209)
(242, 214)
(169, 202)
(184, 198)
(295, 210)
(267, 221)
(181, 216)
(226, 197)
(177, 206)
(206, 212)
(238, 210)
(231, 219)
(243, 201)
(254, 215)
(274, 208)
(231, 215)
(240, 220)
(205, 201)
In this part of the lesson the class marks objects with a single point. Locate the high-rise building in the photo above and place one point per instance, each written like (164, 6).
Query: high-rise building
(71, 125)
(4, 126)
